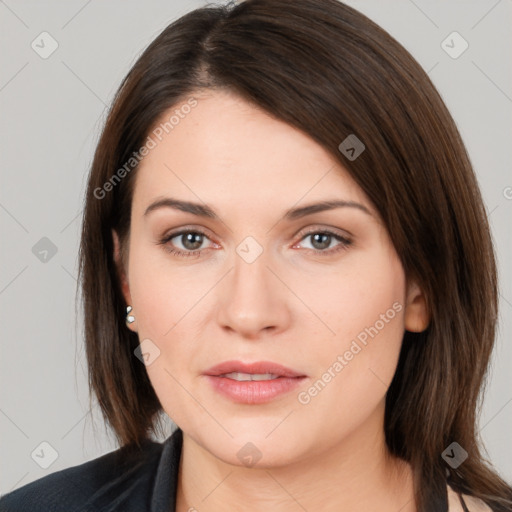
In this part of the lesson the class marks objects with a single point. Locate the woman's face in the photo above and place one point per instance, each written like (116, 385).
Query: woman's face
(320, 292)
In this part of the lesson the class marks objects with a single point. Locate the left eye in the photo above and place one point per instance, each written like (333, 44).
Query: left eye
(321, 241)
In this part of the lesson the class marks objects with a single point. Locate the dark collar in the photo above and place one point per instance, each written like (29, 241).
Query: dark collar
(166, 478)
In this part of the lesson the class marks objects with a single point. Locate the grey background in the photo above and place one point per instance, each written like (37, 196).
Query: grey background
(51, 113)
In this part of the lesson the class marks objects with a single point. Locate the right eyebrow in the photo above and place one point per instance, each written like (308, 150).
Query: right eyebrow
(185, 206)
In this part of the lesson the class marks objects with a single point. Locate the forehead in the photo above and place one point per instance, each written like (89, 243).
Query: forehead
(225, 149)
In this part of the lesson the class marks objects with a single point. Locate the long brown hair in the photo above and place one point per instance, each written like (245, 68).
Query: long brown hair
(328, 70)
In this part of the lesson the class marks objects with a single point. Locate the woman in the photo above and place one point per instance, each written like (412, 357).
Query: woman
(285, 250)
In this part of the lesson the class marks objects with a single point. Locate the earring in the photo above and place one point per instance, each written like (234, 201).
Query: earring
(129, 318)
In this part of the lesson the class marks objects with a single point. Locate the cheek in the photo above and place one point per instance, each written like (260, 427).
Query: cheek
(366, 294)
(364, 306)
(164, 293)
(169, 313)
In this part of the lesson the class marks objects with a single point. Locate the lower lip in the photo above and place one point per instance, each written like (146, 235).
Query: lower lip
(254, 391)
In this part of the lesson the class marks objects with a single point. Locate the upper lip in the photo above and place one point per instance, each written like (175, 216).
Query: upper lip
(257, 367)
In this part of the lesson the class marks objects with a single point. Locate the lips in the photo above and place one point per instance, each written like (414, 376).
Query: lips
(257, 368)
(253, 383)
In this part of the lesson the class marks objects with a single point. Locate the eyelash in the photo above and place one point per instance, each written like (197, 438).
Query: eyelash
(345, 243)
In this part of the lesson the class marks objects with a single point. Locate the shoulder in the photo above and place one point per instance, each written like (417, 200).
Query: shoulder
(473, 504)
(89, 485)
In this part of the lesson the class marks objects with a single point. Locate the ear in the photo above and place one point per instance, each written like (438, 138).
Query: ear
(121, 270)
(416, 314)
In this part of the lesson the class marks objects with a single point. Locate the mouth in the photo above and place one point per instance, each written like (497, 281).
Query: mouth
(243, 377)
(253, 383)
(258, 368)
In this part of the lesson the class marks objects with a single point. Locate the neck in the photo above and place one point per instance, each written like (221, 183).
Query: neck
(356, 474)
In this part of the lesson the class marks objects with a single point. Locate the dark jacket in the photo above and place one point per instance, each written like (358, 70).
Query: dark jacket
(122, 480)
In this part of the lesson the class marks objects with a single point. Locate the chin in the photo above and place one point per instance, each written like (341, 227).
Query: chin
(254, 448)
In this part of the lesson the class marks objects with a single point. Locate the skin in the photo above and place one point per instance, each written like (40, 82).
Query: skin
(293, 305)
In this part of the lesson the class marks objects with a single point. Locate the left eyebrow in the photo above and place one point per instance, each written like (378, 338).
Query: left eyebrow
(202, 210)
(298, 213)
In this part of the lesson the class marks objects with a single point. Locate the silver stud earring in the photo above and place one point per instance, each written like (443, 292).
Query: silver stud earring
(129, 318)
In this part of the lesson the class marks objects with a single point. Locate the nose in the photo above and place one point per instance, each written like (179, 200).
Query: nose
(252, 300)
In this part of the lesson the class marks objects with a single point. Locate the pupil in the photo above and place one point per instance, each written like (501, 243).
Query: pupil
(326, 242)
(189, 243)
